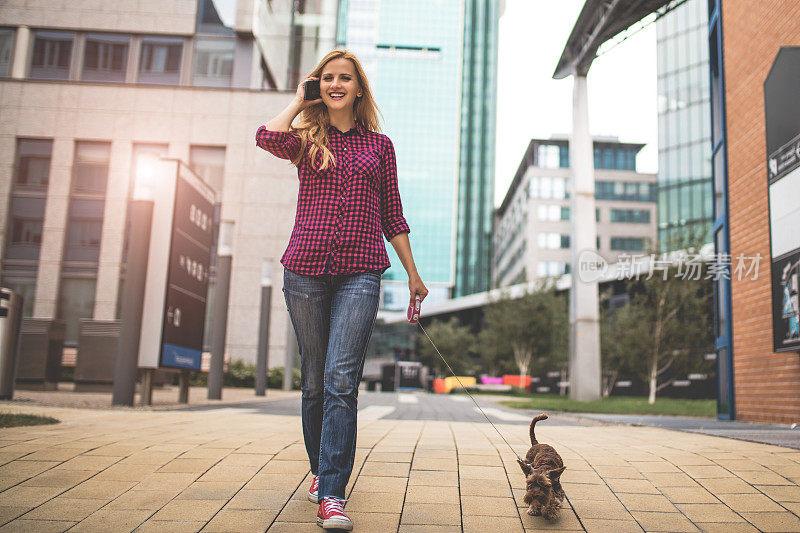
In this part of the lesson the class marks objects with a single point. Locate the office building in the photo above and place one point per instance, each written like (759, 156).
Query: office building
(88, 88)
(532, 225)
(432, 67)
(685, 198)
(755, 71)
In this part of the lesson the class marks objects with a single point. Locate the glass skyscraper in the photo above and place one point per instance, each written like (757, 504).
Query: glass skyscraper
(422, 59)
(476, 171)
(685, 197)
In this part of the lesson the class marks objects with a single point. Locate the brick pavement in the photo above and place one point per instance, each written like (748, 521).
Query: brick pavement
(229, 470)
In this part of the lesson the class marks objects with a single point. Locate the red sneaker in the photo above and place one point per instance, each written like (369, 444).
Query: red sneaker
(331, 515)
(312, 492)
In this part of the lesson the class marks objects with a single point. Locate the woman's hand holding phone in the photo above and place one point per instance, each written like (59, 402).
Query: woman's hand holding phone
(302, 94)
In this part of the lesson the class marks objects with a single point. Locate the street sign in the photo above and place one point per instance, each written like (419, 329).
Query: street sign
(782, 126)
(174, 310)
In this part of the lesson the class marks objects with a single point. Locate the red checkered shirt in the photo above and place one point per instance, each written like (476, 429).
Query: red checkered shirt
(342, 210)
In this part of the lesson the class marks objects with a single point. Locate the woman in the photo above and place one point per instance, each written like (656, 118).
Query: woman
(348, 196)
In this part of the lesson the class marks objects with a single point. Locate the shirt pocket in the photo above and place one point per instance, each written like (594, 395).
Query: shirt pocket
(366, 165)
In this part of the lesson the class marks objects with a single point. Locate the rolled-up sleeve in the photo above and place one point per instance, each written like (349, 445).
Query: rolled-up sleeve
(392, 220)
(283, 144)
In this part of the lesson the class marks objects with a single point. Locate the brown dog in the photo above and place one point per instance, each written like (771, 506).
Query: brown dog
(542, 467)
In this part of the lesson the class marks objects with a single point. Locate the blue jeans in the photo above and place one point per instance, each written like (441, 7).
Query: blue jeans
(333, 317)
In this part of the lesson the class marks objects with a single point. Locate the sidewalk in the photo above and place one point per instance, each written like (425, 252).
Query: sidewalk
(231, 470)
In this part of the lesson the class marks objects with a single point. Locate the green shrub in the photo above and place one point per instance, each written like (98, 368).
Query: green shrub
(241, 374)
(275, 378)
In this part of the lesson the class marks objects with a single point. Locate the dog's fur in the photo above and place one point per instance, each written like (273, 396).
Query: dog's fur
(542, 467)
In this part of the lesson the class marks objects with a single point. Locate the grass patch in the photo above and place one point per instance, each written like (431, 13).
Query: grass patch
(620, 405)
(10, 420)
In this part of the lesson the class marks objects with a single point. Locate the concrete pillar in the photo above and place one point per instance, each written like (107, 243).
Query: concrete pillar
(19, 64)
(584, 314)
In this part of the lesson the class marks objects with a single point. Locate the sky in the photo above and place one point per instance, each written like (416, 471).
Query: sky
(530, 103)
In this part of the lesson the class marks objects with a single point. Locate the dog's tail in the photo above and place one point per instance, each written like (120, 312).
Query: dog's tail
(533, 426)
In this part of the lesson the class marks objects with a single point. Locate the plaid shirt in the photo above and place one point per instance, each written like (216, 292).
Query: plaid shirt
(342, 210)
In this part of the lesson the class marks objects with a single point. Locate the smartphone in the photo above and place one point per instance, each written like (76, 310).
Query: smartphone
(311, 90)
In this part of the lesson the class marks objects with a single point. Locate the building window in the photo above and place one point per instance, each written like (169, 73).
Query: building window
(90, 170)
(629, 244)
(552, 241)
(553, 213)
(52, 55)
(209, 163)
(105, 57)
(213, 62)
(75, 301)
(550, 268)
(84, 233)
(631, 216)
(549, 156)
(6, 50)
(26, 231)
(625, 191)
(216, 16)
(33, 163)
(160, 61)
(548, 188)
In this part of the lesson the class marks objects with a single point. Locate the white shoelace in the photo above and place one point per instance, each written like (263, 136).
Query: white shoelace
(332, 506)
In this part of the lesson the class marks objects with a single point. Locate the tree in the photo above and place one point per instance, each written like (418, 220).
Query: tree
(534, 326)
(663, 331)
(456, 343)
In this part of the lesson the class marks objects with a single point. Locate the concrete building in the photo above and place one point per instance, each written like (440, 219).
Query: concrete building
(532, 225)
(755, 71)
(432, 67)
(685, 197)
(88, 87)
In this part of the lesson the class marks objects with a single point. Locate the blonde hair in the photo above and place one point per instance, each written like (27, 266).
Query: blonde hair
(313, 123)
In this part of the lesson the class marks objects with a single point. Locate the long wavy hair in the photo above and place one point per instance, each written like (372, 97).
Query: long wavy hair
(312, 126)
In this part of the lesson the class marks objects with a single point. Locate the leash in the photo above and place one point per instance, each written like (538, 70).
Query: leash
(467, 391)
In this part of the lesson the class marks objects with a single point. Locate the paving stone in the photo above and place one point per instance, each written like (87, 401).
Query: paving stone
(170, 526)
(210, 490)
(25, 469)
(166, 481)
(377, 502)
(482, 472)
(726, 527)
(435, 464)
(182, 465)
(294, 527)
(654, 466)
(275, 466)
(581, 476)
(53, 454)
(669, 479)
(39, 526)
(488, 506)
(647, 502)
(727, 486)
(600, 509)
(374, 522)
(618, 472)
(660, 521)
(29, 497)
(63, 479)
(481, 524)
(781, 493)
(99, 489)
(437, 479)
(105, 520)
(63, 508)
(409, 528)
(189, 510)
(221, 472)
(484, 487)
(372, 468)
(688, 495)
(367, 484)
(142, 500)
(779, 522)
(579, 491)
(426, 494)
(706, 471)
(275, 481)
(258, 499)
(94, 463)
(241, 521)
(431, 513)
(637, 486)
(298, 511)
(8, 513)
(432, 454)
(125, 472)
(479, 460)
(603, 525)
(708, 512)
(750, 503)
